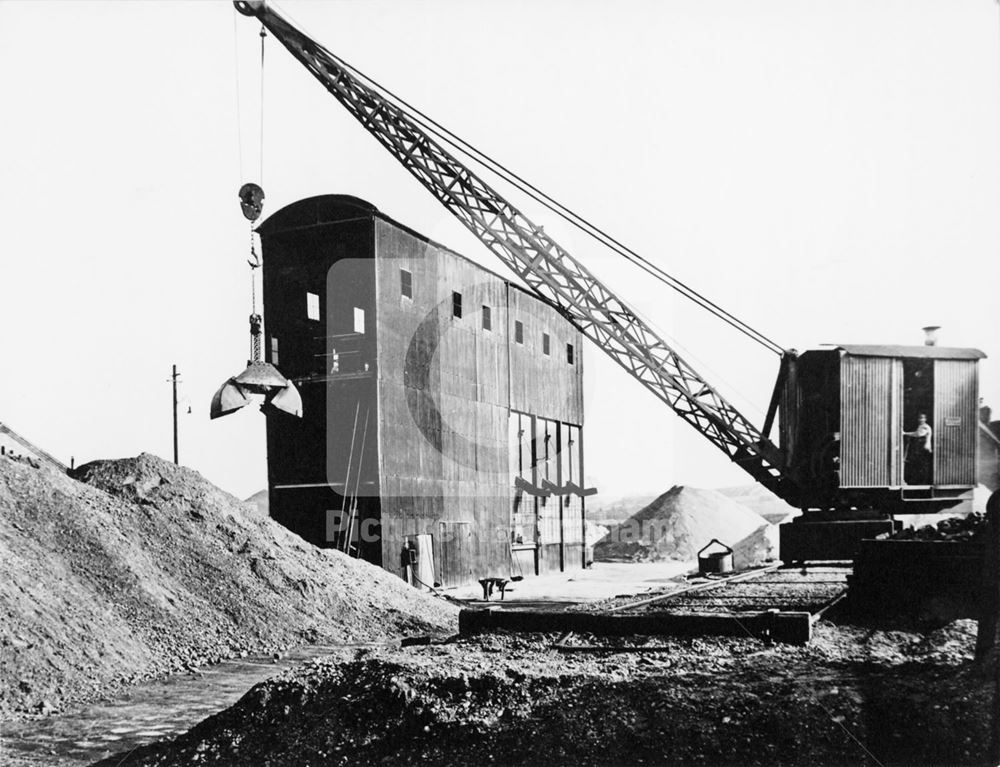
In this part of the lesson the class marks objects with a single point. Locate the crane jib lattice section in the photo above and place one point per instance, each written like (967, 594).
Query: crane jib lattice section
(550, 271)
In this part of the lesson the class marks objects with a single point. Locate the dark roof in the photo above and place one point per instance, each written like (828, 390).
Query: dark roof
(316, 211)
(332, 208)
(922, 352)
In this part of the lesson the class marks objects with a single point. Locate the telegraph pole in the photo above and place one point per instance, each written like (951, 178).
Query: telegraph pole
(173, 378)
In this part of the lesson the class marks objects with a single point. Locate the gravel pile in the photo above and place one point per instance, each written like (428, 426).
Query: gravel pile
(138, 568)
(683, 520)
(857, 697)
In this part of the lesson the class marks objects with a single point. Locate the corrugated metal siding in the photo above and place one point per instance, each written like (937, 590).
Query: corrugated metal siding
(866, 402)
(788, 412)
(542, 383)
(956, 413)
(896, 425)
(443, 407)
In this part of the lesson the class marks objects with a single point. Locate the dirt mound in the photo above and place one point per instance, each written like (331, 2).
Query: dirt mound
(682, 521)
(143, 567)
(511, 700)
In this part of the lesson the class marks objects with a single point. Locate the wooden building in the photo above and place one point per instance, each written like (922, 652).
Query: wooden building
(849, 417)
(442, 422)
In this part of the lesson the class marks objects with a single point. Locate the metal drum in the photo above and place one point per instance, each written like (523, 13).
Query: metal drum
(716, 562)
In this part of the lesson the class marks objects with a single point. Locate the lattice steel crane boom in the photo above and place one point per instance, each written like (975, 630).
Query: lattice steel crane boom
(549, 270)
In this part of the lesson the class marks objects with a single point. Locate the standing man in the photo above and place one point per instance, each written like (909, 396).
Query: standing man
(920, 452)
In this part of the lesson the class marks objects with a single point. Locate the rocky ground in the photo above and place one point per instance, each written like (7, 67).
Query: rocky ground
(855, 696)
(138, 568)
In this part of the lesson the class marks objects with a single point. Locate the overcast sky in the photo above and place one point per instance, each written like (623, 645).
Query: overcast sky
(827, 171)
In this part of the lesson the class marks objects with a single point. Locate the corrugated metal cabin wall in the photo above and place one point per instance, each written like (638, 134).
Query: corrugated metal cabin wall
(809, 414)
(789, 408)
(448, 375)
(956, 422)
(867, 397)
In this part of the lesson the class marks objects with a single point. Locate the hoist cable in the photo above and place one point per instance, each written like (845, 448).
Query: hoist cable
(263, 35)
(562, 211)
(239, 109)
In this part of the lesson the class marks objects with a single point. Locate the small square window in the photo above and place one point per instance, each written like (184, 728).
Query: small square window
(405, 283)
(518, 331)
(456, 304)
(274, 351)
(545, 343)
(569, 353)
(487, 318)
(312, 306)
(359, 320)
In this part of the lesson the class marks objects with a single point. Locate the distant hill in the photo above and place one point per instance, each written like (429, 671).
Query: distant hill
(763, 501)
(259, 499)
(616, 509)
(677, 524)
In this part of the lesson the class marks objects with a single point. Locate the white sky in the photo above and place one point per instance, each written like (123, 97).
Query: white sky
(827, 171)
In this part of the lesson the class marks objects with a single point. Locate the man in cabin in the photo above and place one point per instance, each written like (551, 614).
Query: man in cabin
(920, 453)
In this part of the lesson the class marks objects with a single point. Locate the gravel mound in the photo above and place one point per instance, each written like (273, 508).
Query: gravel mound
(138, 568)
(682, 521)
(512, 700)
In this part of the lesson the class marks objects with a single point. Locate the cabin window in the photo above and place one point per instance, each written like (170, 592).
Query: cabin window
(405, 283)
(456, 304)
(487, 318)
(545, 344)
(569, 353)
(274, 351)
(359, 320)
(312, 306)
(518, 331)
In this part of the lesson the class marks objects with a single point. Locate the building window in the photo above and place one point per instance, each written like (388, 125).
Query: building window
(359, 320)
(518, 331)
(545, 343)
(274, 351)
(312, 306)
(405, 283)
(569, 353)
(487, 318)
(456, 304)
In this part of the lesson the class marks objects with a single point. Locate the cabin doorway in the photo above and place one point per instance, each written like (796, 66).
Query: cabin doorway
(918, 417)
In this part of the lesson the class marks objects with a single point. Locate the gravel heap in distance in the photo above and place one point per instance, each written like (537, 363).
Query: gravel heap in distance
(683, 520)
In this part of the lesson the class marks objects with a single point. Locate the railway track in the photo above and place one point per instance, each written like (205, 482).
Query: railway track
(775, 603)
(811, 590)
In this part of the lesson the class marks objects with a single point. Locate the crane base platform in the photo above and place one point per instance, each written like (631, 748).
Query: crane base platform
(805, 540)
